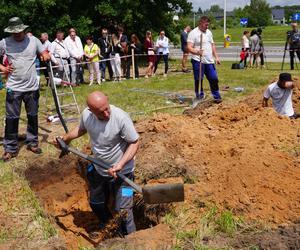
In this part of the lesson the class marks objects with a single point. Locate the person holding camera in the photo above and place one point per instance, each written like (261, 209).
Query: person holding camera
(281, 94)
(293, 38)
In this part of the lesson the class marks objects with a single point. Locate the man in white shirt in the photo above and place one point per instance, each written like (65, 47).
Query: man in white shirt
(75, 48)
(281, 94)
(59, 56)
(162, 45)
(206, 52)
(47, 46)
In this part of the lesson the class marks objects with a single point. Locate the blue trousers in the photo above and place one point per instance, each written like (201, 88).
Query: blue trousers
(101, 188)
(209, 70)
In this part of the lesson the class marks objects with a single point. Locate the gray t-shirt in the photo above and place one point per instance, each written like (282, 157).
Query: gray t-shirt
(110, 138)
(22, 55)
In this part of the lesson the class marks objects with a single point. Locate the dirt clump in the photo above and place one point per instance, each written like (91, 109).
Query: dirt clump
(158, 237)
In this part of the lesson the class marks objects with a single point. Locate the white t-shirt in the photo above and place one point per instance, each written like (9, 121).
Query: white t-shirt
(245, 42)
(111, 138)
(281, 99)
(207, 42)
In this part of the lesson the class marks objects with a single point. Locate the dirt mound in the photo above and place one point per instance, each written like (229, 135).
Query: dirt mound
(240, 156)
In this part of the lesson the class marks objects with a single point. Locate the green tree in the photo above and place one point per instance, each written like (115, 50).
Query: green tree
(89, 16)
(259, 13)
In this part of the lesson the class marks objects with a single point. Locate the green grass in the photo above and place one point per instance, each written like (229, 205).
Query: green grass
(270, 34)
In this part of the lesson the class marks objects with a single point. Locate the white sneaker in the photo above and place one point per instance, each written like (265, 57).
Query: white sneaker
(103, 80)
(165, 75)
(91, 83)
(99, 82)
(146, 76)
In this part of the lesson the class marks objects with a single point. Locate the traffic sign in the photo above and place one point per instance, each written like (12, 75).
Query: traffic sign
(244, 21)
(296, 17)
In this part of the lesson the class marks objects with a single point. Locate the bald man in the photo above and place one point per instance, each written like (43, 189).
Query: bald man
(114, 143)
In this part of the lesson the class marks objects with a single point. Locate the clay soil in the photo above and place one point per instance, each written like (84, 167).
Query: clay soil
(238, 156)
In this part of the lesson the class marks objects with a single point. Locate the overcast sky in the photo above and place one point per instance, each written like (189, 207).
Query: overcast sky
(231, 4)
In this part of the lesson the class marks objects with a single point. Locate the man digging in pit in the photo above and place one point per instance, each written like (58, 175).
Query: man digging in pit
(114, 142)
(281, 94)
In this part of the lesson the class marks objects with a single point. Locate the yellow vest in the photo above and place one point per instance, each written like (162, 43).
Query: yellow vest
(90, 51)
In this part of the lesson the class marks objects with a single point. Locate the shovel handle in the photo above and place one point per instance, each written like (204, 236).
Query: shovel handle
(130, 183)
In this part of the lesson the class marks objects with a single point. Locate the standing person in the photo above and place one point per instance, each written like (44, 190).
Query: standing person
(261, 48)
(104, 43)
(206, 55)
(245, 47)
(22, 86)
(115, 58)
(162, 47)
(183, 39)
(59, 56)
(91, 52)
(123, 39)
(136, 46)
(281, 94)
(114, 143)
(47, 46)
(255, 48)
(294, 43)
(75, 49)
(149, 47)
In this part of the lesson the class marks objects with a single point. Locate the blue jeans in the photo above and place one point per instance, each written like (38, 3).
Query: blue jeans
(101, 188)
(13, 105)
(209, 70)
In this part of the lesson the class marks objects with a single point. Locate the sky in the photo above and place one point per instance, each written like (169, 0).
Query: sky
(231, 4)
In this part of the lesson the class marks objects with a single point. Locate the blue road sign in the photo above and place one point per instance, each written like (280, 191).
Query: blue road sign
(244, 21)
(296, 17)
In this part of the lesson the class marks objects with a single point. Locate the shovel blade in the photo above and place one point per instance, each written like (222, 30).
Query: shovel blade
(163, 193)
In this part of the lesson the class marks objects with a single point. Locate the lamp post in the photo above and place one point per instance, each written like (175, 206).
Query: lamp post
(224, 17)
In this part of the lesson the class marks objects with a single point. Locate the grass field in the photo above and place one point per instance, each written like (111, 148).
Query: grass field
(18, 202)
(271, 34)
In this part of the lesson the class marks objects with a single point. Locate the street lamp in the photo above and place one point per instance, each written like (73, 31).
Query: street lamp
(224, 17)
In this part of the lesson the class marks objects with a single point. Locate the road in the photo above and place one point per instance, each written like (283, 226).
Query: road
(273, 53)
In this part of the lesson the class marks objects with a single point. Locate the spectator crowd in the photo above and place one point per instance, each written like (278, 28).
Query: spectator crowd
(111, 56)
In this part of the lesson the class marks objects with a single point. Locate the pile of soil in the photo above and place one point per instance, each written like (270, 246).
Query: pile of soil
(240, 156)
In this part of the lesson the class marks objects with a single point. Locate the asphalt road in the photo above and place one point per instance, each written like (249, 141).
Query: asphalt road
(272, 53)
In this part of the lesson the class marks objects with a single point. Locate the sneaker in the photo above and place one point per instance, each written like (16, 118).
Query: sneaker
(34, 149)
(146, 76)
(91, 83)
(103, 80)
(99, 82)
(165, 75)
(7, 156)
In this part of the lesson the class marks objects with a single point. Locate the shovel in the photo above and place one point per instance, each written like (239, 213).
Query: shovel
(152, 194)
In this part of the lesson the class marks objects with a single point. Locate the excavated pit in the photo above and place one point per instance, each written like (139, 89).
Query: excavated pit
(62, 190)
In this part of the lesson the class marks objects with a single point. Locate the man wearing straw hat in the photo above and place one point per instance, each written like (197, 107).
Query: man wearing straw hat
(22, 85)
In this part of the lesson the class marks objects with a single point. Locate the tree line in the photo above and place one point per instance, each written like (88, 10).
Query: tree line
(89, 16)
